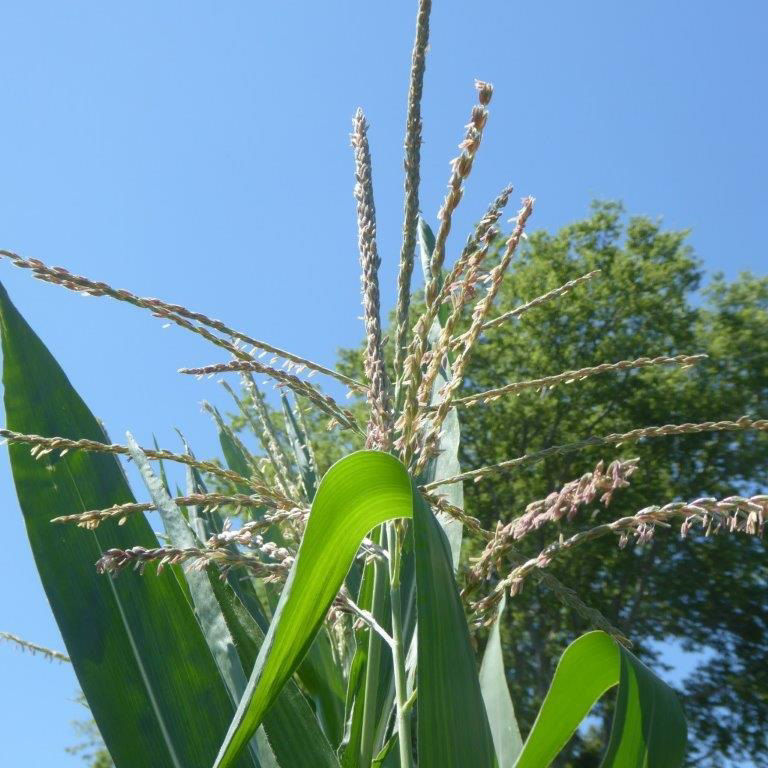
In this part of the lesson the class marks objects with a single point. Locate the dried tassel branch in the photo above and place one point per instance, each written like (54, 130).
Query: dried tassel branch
(568, 377)
(42, 446)
(412, 180)
(324, 402)
(442, 347)
(379, 425)
(115, 560)
(93, 518)
(745, 422)
(566, 595)
(34, 648)
(732, 514)
(246, 535)
(461, 168)
(517, 312)
(174, 312)
(482, 308)
(559, 504)
(476, 241)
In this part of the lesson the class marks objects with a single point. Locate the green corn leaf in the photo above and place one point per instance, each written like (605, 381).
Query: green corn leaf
(137, 650)
(453, 729)
(507, 741)
(319, 672)
(161, 466)
(207, 609)
(321, 677)
(234, 458)
(299, 443)
(388, 756)
(358, 493)
(350, 749)
(426, 246)
(649, 729)
(202, 520)
(294, 734)
(206, 522)
(446, 463)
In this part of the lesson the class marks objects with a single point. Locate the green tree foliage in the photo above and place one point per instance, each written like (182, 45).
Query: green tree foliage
(709, 596)
(90, 747)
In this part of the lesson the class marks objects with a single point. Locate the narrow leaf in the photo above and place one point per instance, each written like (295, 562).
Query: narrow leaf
(299, 441)
(446, 462)
(453, 729)
(498, 703)
(649, 728)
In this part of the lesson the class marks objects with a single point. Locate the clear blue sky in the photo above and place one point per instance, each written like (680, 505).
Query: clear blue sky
(199, 152)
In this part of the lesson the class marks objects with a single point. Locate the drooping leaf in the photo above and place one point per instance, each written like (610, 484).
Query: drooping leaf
(359, 492)
(507, 741)
(319, 672)
(133, 635)
(453, 729)
(319, 675)
(649, 729)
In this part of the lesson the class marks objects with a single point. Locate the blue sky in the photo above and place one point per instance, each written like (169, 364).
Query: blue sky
(199, 152)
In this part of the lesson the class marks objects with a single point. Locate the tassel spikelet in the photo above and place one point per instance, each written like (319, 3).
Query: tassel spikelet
(379, 431)
(412, 180)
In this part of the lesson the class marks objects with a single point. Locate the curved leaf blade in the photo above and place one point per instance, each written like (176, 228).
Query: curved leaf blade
(358, 493)
(649, 727)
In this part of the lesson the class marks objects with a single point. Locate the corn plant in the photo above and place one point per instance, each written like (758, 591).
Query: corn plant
(300, 618)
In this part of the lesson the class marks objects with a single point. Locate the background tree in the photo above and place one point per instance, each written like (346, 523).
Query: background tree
(708, 595)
